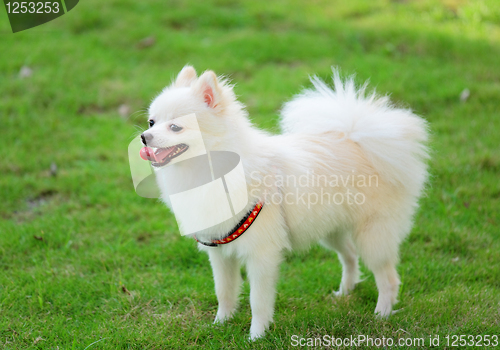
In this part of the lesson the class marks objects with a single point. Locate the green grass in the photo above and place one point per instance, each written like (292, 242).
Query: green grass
(110, 266)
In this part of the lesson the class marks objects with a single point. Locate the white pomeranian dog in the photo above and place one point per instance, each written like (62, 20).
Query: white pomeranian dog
(346, 172)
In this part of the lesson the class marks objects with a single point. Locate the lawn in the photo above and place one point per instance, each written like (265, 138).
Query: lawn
(85, 263)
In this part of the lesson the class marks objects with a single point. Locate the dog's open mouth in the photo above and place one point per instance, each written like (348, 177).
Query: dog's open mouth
(163, 156)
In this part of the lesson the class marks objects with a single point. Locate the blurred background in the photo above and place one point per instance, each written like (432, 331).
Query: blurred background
(83, 259)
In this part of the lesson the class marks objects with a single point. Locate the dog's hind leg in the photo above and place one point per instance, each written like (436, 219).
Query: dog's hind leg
(227, 278)
(387, 280)
(378, 245)
(342, 243)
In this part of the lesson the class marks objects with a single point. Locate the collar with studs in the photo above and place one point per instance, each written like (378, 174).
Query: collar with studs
(238, 230)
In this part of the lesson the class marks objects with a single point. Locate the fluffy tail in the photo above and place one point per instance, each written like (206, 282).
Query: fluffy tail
(393, 139)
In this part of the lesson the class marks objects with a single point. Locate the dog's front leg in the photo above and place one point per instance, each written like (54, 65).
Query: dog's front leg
(262, 269)
(227, 280)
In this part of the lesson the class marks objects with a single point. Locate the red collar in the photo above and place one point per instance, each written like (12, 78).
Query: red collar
(239, 229)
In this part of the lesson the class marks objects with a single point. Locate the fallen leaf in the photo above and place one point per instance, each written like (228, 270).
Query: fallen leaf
(125, 290)
(464, 95)
(13, 331)
(38, 339)
(53, 169)
(124, 110)
(146, 42)
(25, 72)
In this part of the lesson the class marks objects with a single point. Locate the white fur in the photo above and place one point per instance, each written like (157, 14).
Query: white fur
(328, 132)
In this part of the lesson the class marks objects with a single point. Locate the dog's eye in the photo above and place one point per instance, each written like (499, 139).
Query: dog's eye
(151, 123)
(175, 128)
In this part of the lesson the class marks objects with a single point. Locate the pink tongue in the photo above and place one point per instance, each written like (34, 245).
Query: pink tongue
(162, 153)
(147, 153)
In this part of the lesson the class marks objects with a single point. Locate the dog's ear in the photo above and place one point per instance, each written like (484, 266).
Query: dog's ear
(186, 76)
(208, 88)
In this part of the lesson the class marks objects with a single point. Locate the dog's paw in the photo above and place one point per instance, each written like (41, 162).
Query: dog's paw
(221, 319)
(257, 331)
(339, 293)
(254, 337)
(224, 315)
(384, 314)
(344, 290)
(346, 287)
(380, 316)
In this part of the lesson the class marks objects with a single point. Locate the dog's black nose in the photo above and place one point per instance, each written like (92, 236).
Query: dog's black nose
(145, 137)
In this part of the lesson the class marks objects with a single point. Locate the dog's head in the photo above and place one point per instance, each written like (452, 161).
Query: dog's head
(210, 99)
